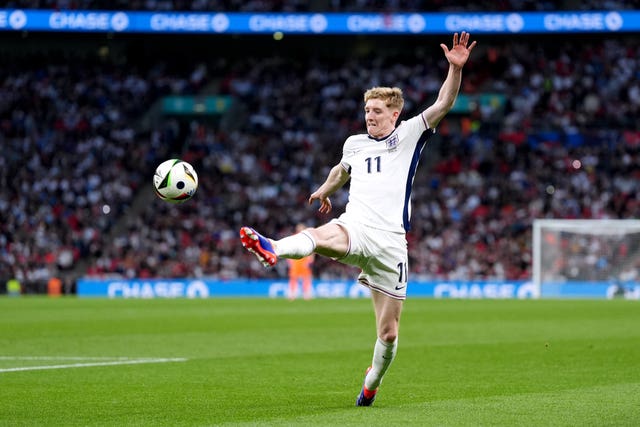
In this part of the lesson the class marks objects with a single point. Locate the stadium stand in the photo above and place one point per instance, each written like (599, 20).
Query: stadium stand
(491, 178)
(76, 163)
(71, 161)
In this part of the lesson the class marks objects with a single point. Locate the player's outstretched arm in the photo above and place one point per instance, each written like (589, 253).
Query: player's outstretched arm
(457, 57)
(338, 176)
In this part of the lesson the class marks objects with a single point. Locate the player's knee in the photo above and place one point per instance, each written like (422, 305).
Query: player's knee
(388, 335)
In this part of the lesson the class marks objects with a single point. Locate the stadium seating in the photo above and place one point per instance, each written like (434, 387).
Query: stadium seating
(564, 145)
(473, 207)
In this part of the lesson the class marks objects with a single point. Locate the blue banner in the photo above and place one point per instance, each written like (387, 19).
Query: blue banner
(607, 290)
(209, 288)
(205, 288)
(319, 23)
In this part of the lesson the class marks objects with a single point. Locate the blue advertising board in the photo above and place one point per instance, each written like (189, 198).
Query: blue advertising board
(205, 288)
(591, 290)
(319, 23)
(211, 288)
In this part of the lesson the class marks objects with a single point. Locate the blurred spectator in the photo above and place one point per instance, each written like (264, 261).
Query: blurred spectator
(14, 288)
(301, 273)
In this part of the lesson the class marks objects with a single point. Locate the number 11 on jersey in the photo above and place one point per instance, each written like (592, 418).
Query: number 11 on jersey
(403, 272)
(369, 161)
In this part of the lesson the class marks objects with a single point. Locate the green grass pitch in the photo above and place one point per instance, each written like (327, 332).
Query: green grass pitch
(275, 362)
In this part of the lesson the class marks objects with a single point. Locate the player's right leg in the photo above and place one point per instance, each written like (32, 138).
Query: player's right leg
(388, 312)
(293, 287)
(366, 396)
(306, 287)
(258, 245)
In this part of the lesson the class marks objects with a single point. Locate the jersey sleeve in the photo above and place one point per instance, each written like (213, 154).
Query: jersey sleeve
(348, 151)
(427, 126)
(417, 124)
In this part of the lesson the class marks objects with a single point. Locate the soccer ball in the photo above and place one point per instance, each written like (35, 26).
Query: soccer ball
(175, 181)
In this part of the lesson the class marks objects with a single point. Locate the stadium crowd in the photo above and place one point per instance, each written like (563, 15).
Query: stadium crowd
(565, 144)
(71, 161)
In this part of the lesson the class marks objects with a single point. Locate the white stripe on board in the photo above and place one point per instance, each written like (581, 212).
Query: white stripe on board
(124, 361)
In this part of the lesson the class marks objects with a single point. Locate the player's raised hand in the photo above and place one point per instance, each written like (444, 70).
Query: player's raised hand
(459, 52)
(325, 203)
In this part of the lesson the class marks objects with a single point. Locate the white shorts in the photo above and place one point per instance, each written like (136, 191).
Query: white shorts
(382, 255)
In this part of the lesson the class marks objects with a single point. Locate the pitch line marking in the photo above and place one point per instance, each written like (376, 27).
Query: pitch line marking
(109, 358)
(119, 361)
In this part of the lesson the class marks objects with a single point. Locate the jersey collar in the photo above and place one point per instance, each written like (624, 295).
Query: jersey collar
(383, 138)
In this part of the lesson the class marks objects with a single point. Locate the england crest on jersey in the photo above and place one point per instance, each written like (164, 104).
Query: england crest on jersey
(392, 143)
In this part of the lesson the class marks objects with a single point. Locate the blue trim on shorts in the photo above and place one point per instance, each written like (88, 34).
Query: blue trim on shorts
(373, 287)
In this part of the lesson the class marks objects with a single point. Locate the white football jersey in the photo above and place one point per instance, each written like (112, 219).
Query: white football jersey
(382, 173)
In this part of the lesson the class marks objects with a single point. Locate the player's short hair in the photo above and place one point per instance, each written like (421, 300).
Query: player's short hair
(392, 96)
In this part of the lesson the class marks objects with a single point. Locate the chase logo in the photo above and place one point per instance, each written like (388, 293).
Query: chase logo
(514, 22)
(17, 19)
(485, 22)
(613, 21)
(119, 21)
(220, 23)
(155, 289)
(318, 23)
(416, 23)
(583, 21)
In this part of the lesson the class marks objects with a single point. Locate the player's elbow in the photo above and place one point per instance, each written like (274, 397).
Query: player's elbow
(437, 111)
(446, 104)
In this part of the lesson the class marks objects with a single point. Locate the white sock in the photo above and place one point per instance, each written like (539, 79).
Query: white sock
(383, 355)
(297, 246)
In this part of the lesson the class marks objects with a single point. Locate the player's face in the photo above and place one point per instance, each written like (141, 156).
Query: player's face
(380, 119)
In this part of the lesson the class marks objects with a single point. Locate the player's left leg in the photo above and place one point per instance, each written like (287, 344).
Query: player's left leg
(306, 286)
(387, 312)
(293, 287)
(258, 245)
(330, 240)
